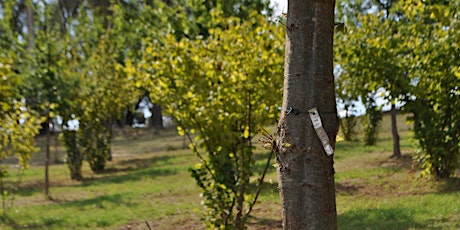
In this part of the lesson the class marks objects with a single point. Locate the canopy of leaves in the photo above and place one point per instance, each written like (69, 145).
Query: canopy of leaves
(222, 88)
(435, 70)
(18, 124)
(410, 50)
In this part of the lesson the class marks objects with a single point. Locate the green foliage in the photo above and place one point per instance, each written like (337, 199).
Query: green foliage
(220, 89)
(18, 122)
(349, 122)
(436, 75)
(50, 69)
(18, 127)
(371, 57)
(101, 89)
(372, 122)
(102, 104)
(348, 127)
(74, 155)
(203, 20)
(75, 62)
(410, 50)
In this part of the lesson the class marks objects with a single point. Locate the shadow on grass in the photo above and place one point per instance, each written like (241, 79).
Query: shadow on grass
(450, 185)
(403, 162)
(30, 189)
(378, 218)
(138, 169)
(135, 169)
(139, 174)
(346, 188)
(7, 221)
(101, 202)
(143, 163)
(104, 202)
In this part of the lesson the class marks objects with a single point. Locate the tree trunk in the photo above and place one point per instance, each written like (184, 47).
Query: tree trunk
(156, 120)
(394, 131)
(47, 159)
(30, 25)
(305, 172)
(56, 151)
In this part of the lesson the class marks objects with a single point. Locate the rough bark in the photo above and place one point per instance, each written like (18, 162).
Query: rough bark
(305, 172)
(394, 131)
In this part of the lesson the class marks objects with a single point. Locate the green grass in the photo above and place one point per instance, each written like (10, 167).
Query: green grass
(148, 181)
(428, 211)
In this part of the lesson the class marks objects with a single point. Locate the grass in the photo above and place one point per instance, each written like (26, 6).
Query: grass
(148, 181)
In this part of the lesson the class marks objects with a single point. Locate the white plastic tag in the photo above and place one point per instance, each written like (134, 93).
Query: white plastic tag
(322, 135)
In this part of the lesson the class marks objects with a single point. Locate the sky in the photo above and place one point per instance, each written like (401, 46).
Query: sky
(281, 6)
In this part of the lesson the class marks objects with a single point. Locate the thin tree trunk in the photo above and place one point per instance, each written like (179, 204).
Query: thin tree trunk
(47, 160)
(56, 151)
(30, 25)
(305, 172)
(156, 121)
(394, 131)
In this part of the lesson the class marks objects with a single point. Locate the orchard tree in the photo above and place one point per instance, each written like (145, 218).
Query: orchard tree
(304, 165)
(371, 54)
(46, 88)
(435, 72)
(105, 89)
(220, 91)
(51, 85)
(402, 49)
(349, 122)
(41, 25)
(18, 123)
(109, 92)
(71, 102)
